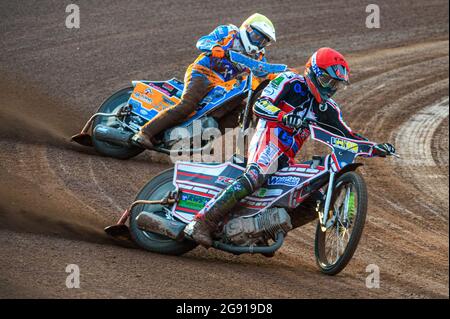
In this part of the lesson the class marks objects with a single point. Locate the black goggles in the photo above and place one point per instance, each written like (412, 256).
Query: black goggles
(326, 81)
(258, 38)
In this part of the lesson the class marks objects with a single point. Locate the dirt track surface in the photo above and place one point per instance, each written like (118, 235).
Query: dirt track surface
(55, 197)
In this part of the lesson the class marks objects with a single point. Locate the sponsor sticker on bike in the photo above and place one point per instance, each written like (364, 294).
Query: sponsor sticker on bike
(284, 180)
(268, 107)
(344, 145)
(168, 87)
(192, 201)
(168, 101)
(262, 192)
(272, 109)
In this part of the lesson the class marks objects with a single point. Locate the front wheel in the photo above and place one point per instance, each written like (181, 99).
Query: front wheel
(335, 247)
(156, 189)
(111, 105)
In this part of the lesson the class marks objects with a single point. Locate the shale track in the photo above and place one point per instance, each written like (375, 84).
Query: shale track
(56, 197)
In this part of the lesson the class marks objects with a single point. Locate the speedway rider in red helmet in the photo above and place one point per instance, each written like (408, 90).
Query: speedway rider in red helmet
(285, 103)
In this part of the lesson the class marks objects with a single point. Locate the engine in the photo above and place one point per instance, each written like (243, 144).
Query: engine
(257, 229)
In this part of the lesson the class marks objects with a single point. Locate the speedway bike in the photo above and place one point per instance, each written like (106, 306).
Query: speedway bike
(122, 115)
(327, 189)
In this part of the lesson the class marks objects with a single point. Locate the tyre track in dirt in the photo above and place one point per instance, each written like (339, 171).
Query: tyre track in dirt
(73, 193)
(440, 146)
(416, 136)
(419, 234)
(417, 239)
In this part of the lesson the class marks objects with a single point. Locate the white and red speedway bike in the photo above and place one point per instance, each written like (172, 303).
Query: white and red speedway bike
(327, 188)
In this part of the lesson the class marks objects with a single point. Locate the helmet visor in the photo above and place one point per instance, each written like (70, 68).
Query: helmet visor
(326, 81)
(257, 38)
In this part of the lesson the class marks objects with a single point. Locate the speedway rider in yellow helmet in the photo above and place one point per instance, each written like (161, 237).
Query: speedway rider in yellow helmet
(210, 69)
(255, 33)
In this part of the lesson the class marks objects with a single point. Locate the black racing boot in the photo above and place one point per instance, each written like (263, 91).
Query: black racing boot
(207, 223)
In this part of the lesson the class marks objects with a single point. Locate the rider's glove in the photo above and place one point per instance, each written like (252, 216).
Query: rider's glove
(217, 52)
(384, 149)
(292, 120)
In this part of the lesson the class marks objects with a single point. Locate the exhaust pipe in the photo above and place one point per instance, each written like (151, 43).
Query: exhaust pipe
(160, 225)
(113, 135)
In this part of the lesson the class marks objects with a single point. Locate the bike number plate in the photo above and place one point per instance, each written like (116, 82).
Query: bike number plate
(149, 100)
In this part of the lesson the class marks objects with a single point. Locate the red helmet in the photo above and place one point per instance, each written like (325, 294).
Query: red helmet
(326, 70)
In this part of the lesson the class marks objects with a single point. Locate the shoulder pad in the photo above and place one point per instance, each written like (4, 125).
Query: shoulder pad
(285, 77)
(279, 82)
(222, 30)
(290, 75)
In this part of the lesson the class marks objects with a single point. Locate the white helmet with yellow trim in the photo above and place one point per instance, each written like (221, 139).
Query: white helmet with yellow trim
(256, 33)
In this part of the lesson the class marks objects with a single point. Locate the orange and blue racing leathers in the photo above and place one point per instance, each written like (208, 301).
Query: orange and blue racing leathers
(201, 76)
(219, 70)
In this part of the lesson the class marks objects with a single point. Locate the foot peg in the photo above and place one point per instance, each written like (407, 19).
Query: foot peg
(82, 139)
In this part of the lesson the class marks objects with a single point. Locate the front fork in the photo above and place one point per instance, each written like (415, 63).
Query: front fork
(325, 221)
(324, 216)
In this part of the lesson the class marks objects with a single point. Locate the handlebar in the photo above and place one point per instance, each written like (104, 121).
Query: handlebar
(386, 152)
(252, 64)
(379, 151)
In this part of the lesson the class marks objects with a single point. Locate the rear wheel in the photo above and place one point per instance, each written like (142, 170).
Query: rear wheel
(111, 105)
(335, 247)
(155, 189)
